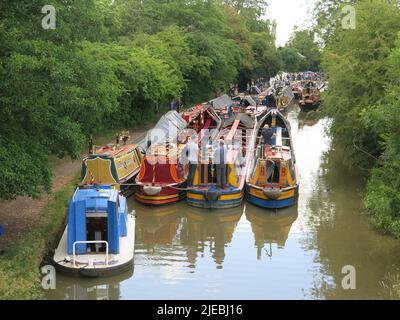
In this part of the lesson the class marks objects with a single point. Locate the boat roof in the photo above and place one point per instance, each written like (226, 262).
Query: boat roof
(170, 124)
(112, 150)
(95, 198)
(278, 114)
(243, 118)
(221, 102)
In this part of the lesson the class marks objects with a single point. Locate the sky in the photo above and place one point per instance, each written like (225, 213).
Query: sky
(288, 14)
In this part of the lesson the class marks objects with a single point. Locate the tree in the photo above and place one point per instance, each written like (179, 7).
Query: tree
(302, 52)
(364, 67)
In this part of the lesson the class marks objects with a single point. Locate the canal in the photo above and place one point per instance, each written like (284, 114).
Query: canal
(250, 253)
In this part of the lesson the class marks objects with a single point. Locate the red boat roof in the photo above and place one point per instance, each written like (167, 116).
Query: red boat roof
(113, 151)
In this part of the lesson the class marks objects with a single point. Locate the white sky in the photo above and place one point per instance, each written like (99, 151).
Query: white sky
(288, 14)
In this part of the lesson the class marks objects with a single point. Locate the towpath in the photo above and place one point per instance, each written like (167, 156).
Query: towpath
(19, 215)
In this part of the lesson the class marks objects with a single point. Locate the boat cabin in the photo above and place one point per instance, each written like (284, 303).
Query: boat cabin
(96, 214)
(112, 165)
(274, 162)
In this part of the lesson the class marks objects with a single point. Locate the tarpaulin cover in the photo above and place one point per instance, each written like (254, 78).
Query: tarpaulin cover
(221, 102)
(167, 128)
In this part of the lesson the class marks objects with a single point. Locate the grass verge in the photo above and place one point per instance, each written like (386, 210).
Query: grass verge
(19, 266)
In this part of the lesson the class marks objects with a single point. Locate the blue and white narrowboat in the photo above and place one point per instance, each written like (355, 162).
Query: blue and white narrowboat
(99, 239)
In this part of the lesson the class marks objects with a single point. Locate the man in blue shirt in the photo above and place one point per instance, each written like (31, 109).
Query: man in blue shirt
(230, 111)
(268, 134)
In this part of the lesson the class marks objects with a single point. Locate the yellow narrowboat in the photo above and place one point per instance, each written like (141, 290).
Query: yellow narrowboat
(238, 133)
(112, 165)
(272, 181)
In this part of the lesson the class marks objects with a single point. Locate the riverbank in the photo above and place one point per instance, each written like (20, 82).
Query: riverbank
(19, 265)
(33, 225)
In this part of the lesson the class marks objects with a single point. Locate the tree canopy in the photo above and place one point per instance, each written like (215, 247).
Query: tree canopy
(302, 52)
(363, 99)
(108, 64)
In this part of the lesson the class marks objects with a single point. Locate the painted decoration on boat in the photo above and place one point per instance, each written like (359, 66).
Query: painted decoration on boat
(112, 165)
(272, 181)
(221, 185)
(162, 178)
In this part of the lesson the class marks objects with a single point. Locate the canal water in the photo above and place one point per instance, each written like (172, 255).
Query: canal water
(251, 253)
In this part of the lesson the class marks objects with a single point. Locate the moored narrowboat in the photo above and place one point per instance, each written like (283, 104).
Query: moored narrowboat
(112, 165)
(162, 177)
(272, 180)
(99, 239)
(285, 97)
(310, 97)
(297, 90)
(212, 190)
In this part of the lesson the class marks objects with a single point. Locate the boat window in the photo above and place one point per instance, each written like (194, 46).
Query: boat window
(96, 230)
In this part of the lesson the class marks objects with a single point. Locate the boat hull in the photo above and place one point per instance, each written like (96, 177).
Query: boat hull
(215, 199)
(166, 196)
(286, 199)
(95, 273)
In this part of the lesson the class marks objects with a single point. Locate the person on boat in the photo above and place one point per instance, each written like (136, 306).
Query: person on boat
(117, 139)
(125, 137)
(267, 134)
(91, 146)
(193, 158)
(270, 101)
(220, 161)
(230, 111)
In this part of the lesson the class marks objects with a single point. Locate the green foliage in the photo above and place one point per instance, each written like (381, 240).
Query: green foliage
(267, 62)
(301, 53)
(328, 16)
(383, 191)
(364, 70)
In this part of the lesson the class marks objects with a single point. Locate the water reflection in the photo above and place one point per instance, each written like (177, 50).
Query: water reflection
(306, 119)
(158, 226)
(344, 236)
(271, 228)
(187, 230)
(202, 229)
(89, 289)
